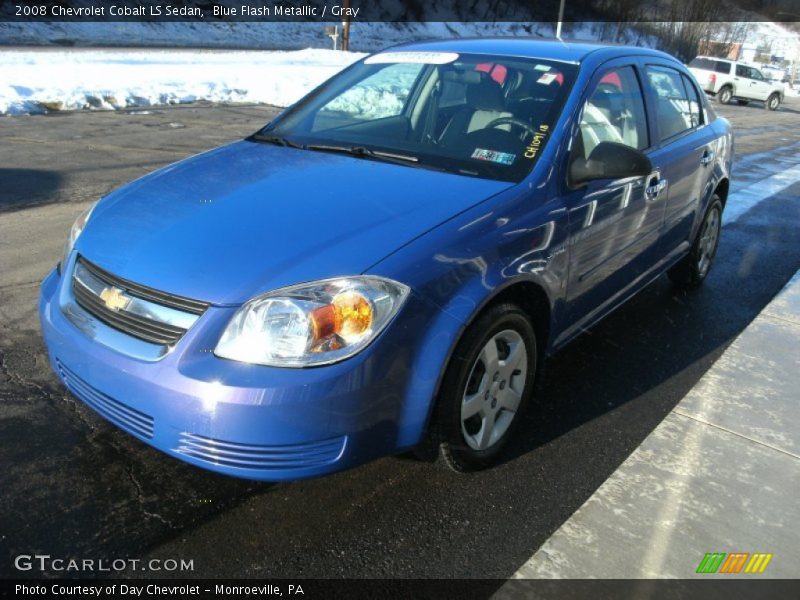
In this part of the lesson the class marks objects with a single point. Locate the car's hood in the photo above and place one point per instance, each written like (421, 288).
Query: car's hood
(250, 217)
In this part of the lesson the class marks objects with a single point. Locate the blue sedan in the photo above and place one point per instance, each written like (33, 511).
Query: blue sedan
(386, 264)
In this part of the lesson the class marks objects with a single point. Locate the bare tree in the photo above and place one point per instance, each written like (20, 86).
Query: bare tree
(729, 35)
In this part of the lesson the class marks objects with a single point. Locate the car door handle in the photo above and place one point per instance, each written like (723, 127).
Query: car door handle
(707, 157)
(656, 186)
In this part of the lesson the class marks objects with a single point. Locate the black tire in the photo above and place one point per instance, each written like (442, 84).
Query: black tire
(743, 102)
(773, 102)
(692, 270)
(449, 429)
(725, 95)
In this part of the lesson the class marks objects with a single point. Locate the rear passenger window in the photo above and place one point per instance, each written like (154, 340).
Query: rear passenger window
(709, 64)
(694, 101)
(673, 106)
(722, 67)
(614, 113)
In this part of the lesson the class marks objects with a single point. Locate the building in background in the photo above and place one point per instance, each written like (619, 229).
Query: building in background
(730, 50)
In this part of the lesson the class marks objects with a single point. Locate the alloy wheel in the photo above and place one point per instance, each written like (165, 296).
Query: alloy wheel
(708, 241)
(494, 389)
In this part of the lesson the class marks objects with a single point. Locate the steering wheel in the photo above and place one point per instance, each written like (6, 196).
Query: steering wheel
(511, 121)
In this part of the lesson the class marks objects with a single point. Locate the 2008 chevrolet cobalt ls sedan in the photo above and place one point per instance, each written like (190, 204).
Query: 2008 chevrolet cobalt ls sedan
(387, 263)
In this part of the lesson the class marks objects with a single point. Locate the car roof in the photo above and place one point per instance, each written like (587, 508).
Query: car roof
(736, 62)
(575, 51)
(730, 60)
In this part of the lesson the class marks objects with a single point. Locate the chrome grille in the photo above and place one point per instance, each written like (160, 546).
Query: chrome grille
(250, 456)
(145, 313)
(123, 416)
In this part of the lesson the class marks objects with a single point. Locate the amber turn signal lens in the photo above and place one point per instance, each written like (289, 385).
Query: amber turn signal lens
(324, 322)
(355, 313)
(349, 316)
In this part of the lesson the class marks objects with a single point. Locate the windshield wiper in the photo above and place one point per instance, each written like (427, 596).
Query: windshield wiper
(360, 151)
(275, 139)
(365, 152)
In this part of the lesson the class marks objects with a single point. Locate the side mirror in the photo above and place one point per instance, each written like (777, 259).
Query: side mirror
(609, 160)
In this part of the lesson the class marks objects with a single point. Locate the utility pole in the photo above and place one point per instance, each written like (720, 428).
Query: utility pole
(332, 31)
(346, 25)
(793, 68)
(560, 18)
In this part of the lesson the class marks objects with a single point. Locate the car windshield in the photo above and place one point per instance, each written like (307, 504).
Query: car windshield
(479, 115)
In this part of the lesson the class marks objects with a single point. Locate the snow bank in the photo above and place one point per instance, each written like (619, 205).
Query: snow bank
(371, 36)
(35, 81)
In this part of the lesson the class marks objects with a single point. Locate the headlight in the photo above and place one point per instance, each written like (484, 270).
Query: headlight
(75, 231)
(312, 324)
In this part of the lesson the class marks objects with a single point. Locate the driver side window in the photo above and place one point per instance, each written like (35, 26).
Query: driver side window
(614, 113)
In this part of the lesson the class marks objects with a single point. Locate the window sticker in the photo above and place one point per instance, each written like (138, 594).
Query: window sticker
(425, 58)
(541, 68)
(532, 150)
(547, 78)
(503, 158)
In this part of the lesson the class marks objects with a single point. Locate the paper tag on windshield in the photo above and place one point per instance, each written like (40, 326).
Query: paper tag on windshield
(504, 158)
(425, 58)
(547, 78)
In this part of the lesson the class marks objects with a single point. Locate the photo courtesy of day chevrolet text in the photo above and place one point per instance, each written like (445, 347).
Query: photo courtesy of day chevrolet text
(151, 590)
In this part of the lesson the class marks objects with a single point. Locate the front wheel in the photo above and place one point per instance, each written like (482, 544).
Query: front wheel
(693, 269)
(486, 387)
(725, 95)
(773, 102)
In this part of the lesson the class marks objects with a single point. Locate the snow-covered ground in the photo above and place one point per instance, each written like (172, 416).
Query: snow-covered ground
(53, 78)
(365, 37)
(57, 78)
(34, 81)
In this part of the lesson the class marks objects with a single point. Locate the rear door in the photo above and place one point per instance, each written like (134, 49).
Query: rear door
(684, 150)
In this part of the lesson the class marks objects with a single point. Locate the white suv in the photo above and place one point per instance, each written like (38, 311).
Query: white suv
(728, 79)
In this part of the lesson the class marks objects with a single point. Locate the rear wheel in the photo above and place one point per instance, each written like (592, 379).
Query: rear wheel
(693, 269)
(725, 95)
(486, 386)
(773, 102)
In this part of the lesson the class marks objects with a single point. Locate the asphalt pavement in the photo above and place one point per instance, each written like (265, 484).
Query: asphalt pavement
(74, 486)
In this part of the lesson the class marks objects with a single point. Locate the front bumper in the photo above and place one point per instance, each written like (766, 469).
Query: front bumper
(246, 420)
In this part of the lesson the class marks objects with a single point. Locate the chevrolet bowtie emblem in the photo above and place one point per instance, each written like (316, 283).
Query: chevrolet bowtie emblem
(114, 298)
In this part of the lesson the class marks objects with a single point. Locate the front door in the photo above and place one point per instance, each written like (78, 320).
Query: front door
(613, 224)
(749, 83)
(763, 86)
